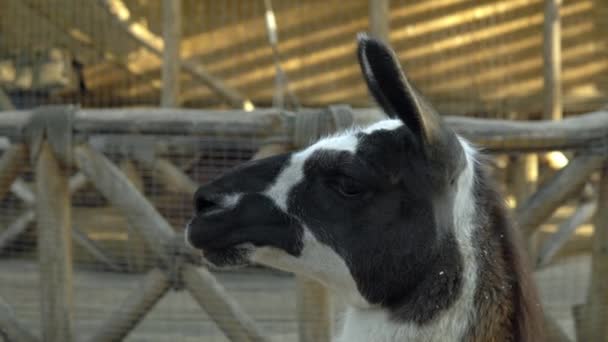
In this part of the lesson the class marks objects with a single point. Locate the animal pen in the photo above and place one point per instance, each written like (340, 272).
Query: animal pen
(96, 181)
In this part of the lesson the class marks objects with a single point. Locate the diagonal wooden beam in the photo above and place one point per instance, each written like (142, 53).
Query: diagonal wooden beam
(16, 228)
(171, 176)
(159, 235)
(93, 248)
(5, 101)
(10, 327)
(555, 191)
(549, 249)
(554, 331)
(134, 307)
(594, 320)
(23, 191)
(13, 161)
(120, 192)
(154, 44)
(21, 223)
(222, 308)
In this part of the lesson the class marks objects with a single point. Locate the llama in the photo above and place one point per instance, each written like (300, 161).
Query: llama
(398, 218)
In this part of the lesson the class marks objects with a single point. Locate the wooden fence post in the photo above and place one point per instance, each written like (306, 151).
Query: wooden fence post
(379, 19)
(552, 61)
(524, 177)
(136, 248)
(54, 246)
(314, 311)
(171, 38)
(134, 307)
(594, 321)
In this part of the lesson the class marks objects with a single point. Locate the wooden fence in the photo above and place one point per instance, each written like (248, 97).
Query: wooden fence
(58, 138)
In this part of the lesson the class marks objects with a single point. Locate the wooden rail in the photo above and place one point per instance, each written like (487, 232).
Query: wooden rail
(577, 132)
(586, 134)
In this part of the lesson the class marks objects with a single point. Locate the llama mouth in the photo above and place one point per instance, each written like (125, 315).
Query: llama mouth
(228, 257)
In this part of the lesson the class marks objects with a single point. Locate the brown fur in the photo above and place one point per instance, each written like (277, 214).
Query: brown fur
(507, 303)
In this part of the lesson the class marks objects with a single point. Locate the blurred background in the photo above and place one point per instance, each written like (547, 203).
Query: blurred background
(491, 59)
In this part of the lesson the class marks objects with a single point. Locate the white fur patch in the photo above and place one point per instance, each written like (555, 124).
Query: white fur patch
(230, 201)
(374, 325)
(294, 173)
(317, 261)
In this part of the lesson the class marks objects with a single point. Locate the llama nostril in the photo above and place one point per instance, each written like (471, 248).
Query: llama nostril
(202, 203)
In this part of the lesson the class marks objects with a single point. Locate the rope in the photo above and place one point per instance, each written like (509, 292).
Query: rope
(281, 81)
(309, 126)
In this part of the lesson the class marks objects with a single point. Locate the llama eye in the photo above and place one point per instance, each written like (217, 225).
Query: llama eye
(347, 187)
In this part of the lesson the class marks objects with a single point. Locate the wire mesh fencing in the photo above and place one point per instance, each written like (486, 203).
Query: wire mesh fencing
(480, 59)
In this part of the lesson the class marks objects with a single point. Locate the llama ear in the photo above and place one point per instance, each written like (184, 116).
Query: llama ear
(391, 89)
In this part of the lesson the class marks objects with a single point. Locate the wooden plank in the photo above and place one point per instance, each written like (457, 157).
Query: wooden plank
(542, 135)
(54, 247)
(555, 191)
(90, 246)
(314, 311)
(554, 331)
(524, 178)
(5, 101)
(494, 135)
(220, 306)
(11, 164)
(10, 327)
(188, 122)
(136, 247)
(123, 195)
(77, 182)
(555, 242)
(21, 223)
(271, 150)
(23, 191)
(133, 308)
(172, 21)
(16, 228)
(379, 19)
(149, 42)
(595, 327)
(119, 191)
(174, 179)
(552, 61)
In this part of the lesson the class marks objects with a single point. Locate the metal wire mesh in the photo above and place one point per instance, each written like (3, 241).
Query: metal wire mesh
(477, 58)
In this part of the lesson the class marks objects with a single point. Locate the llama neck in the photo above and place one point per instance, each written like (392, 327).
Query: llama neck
(505, 294)
(448, 324)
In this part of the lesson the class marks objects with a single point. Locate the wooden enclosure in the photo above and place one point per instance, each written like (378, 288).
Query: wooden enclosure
(481, 58)
(519, 59)
(58, 139)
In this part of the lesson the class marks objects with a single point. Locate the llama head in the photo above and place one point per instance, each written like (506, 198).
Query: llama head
(365, 211)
